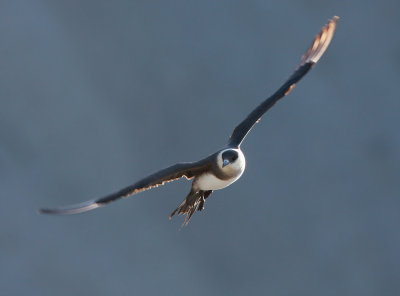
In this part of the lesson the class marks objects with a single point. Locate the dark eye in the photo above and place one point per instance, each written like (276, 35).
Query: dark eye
(230, 155)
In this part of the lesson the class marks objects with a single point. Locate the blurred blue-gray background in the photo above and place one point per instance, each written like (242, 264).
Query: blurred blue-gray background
(97, 94)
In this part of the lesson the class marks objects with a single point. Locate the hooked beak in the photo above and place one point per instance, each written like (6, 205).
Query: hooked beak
(225, 162)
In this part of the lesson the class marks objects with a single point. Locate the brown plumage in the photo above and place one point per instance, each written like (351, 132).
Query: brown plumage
(214, 172)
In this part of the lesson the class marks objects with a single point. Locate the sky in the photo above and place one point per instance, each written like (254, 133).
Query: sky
(97, 94)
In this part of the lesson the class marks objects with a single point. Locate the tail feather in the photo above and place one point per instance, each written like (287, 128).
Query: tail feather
(194, 201)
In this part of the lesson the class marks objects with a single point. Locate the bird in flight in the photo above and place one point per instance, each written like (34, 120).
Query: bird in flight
(221, 168)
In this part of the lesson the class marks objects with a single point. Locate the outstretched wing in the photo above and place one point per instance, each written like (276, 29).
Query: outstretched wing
(172, 173)
(309, 59)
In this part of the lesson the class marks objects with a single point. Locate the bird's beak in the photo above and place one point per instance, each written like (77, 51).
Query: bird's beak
(225, 162)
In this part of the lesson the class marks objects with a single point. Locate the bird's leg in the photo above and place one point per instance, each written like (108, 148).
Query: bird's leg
(207, 193)
(200, 207)
(204, 196)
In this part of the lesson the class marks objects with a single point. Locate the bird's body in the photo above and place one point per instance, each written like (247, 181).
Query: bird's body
(209, 181)
(224, 167)
(222, 176)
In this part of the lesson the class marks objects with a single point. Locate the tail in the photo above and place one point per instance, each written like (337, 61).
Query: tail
(194, 201)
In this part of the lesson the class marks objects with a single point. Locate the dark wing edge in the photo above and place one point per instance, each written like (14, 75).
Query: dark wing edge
(308, 60)
(172, 173)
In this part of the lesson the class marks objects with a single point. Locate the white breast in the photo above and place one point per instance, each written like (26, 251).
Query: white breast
(210, 182)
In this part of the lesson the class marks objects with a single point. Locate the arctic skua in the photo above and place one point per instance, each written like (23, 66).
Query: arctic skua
(225, 166)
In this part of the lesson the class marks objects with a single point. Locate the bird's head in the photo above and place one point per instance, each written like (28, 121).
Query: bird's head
(231, 160)
(229, 157)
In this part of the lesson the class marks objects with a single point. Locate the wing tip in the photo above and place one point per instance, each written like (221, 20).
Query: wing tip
(334, 19)
(320, 42)
(70, 210)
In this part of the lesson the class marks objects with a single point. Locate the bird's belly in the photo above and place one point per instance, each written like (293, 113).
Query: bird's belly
(211, 182)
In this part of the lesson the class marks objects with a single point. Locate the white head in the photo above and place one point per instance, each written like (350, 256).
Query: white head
(231, 160)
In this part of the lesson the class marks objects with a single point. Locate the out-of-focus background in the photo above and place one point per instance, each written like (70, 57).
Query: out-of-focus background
(97, 94)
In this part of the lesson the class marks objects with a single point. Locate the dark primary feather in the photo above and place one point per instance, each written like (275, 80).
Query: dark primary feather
(190, 170)
(309, 59)
(172, 173)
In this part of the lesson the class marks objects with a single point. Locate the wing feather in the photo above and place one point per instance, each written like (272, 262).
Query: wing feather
(172, 173)
(308, 60)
